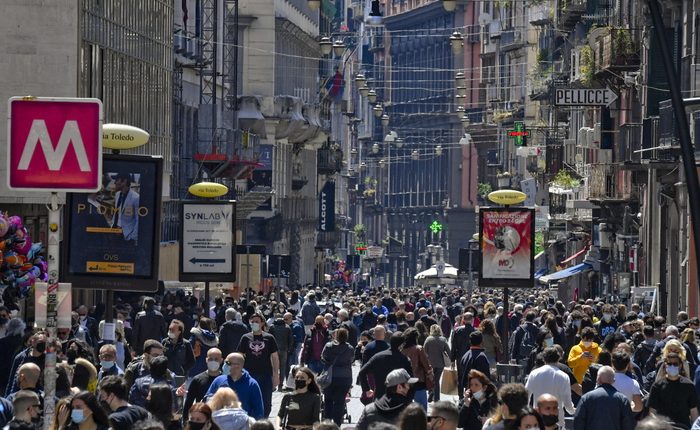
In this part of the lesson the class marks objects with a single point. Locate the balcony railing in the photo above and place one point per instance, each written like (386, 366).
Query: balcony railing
(571, 12)
(329, 161)
(611, 182)
(617, 52)
(511, 40)
(629, 142)
(541, 14)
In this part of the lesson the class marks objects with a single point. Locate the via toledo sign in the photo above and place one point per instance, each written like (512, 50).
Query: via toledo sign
(121, 136)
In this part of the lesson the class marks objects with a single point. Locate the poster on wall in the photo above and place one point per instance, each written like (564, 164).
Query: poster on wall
(113, 235)
(507, 247)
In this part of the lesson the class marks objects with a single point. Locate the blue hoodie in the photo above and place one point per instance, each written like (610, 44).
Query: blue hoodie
(246, 388)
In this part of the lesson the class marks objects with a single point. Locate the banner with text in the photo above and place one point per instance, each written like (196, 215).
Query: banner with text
(507, 246)
(326, 207)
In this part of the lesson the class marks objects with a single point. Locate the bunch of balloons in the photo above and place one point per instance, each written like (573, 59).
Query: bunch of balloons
(21, 261)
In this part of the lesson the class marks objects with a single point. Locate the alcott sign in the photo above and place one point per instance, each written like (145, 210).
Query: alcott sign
(54, 144)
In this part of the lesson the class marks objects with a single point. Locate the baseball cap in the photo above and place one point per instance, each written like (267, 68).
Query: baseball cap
(399, 376)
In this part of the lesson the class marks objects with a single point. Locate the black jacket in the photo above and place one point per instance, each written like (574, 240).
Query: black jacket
(380, 366)
(148, 325)
(283, 336)
(385, 409)
(604, 408)
(470, 416)
(475, 358)
(180, 356)
(230, 336)
(195, 393)
(460, 342)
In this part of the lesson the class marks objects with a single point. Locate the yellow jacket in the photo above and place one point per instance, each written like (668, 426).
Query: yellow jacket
(579, 363)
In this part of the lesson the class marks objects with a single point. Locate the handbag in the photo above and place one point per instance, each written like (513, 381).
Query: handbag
(446, 360)
(324, 379)
(449, 382)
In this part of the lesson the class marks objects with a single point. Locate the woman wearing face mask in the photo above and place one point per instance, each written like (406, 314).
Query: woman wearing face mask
(200, 418)
(479, 401)
(227, 413)
(675, 346)
(86, 413)
(528, 419)
(492, 344)
(543, 340)
(301, 409)
(339, 356)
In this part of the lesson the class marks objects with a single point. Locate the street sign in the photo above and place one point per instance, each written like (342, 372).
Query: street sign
(375, 252)
(584, 96)
(54, 144)
(279, 266)
(208, 248)
(440, 268)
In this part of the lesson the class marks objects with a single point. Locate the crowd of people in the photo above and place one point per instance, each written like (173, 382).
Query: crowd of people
(170, 363)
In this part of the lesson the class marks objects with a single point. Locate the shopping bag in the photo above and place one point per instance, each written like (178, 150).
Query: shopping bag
(448, 384)
(289, 383)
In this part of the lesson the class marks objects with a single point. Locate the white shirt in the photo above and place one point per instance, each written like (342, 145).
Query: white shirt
(549, 379)
(626, 385)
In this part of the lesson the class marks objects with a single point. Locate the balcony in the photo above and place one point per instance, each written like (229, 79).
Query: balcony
(328, 161)
(611, 182)
(511, 40)
(570, 12)
(298, 209)
(629, 142)
(617, 52)
(541, 14)
(231, 153)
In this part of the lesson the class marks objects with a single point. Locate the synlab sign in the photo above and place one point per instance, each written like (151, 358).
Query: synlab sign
(54, 144)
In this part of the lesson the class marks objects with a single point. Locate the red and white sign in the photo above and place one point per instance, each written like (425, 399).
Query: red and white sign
(54, 144)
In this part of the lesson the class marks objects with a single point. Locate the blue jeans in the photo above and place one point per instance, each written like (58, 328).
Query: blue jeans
(265, 383)
(334, 399)
(316, 366)
(421, 397)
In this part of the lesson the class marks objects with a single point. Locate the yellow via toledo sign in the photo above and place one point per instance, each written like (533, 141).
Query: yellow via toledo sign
(121, 136)
(208, 189)
(507, 197)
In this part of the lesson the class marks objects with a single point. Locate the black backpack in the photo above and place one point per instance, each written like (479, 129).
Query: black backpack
(527, 344)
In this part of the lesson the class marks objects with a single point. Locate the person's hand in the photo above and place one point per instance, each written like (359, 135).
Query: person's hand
(180, 391)
(63, 414)
(467, 397)
(369, 394)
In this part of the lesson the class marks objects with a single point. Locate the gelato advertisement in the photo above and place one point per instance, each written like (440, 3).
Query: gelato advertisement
(507, 246)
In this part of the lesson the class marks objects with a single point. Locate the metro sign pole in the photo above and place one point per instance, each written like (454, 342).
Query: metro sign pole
(36, 162)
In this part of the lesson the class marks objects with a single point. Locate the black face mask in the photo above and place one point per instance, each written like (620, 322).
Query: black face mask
(40, 347)
(196, 426)
(550, 420)
(71, 355)
(299, 384)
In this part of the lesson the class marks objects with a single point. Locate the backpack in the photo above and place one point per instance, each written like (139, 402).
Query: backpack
(527, 344)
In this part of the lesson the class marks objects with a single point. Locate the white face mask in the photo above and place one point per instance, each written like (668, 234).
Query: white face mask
(172, 335)
(587, 344)
(478, 395)
(213, 365)
(255, 327)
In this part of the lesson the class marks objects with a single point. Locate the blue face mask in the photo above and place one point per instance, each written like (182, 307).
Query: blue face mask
(226, 369)
(77, 416)
(106, 365)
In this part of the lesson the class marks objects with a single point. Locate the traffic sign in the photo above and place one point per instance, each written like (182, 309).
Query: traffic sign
(584, 97)
(208, 247)
(54, 144)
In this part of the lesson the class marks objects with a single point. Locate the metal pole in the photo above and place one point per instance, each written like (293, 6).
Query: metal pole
(471, 274)
(206, 299)
(247, 272)
(505, 325)
(691, 173)
(50, 375)
(279, 270)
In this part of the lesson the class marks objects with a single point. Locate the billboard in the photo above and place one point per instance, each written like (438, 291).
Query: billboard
(113, 235)
(208, 244)
(507, 247)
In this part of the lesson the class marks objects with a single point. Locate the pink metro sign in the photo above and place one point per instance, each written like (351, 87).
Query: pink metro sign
(54, 144)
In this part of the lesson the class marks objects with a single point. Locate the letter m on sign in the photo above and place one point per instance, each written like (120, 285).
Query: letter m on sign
(54, 144)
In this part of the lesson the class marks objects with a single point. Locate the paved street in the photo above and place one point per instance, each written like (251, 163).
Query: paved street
(354, 407)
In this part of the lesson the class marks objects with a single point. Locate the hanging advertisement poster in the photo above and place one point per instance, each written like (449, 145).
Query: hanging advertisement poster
(113, 235)
(507, 247)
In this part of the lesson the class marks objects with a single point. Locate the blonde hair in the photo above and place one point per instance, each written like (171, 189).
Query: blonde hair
(435, 330)
(688, 335)
(224, 398)
(674, 345)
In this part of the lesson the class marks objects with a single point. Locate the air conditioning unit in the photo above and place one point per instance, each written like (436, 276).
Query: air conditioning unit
(179, 43)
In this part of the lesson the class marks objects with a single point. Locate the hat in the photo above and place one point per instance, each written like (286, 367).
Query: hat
(399, 376)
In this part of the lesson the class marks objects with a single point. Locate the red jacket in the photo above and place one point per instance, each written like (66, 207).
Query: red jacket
(314, 343)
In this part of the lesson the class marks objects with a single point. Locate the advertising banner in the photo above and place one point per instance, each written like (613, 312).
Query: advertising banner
(113, 235)
(507, 246)
(208, 251)
(326, 207)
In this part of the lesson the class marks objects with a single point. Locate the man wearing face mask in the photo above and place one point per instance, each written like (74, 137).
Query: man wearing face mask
(149, 324)
(548, 407)
(285, 344)
(235, 377)
(112, 392)
(200, 383)
(443, 320)
(89, 324)
(605, 407)
(108, 364)
(36, 354)
(77, 331)
(386, 409)
(443, 416)
(178, 349)
(27, 411)
(548, 379)
(584, 354)
(608, 323)
(674, 396)
(261, 359)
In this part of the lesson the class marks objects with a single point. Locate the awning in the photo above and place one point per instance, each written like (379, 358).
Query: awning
(571, 271)
(540, 273)
(582, 251)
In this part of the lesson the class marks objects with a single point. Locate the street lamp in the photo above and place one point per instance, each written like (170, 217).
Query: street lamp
(372, 96)
(326, 45)
(460, 80)
(466, 139)
(465, 121)
(374, 18)
(438, 150)
(338, 48)
(364, 91)
(503, 180)
(314, 4)
(456, 41)
(459, 111)
(462, 91)
(378, 110)
(385, 120)
(391, 136)
(360, 80)
(449, 5)
(382, 163)
(375, 148)
(399, 143)
(415, 155)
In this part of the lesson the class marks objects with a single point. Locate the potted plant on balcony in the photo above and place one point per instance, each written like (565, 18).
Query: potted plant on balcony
(586, 65)
(624, 51)
(359, 230)
(483, 190)
(563, 179)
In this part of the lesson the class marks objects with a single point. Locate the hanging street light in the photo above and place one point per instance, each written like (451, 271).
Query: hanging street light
(415, 155)
(465, 121)
(449, 5)
(385, 120)
(378, 110)
(360, 80)
(375, 18)
(456, 41)
(338, 48)
(438, 150)
(460, 80)
(375, 148)
(364, 91)
(372, 96)
(326, 45)
(314, 4)
(399, 143)
(462, 91)
(382, 163)
(466, 139)
(459, 112)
